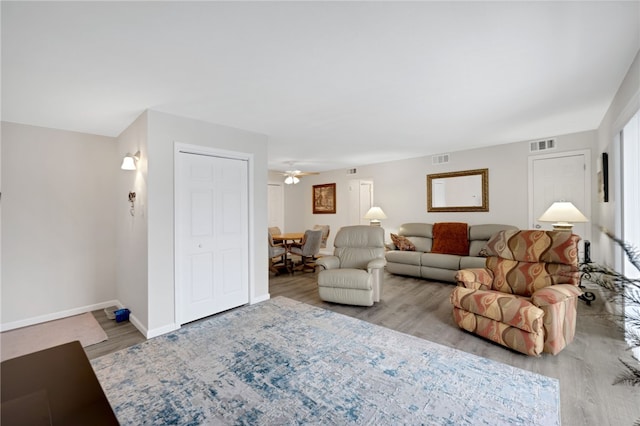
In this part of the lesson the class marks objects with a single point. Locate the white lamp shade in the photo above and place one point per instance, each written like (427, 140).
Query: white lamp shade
(563, 213)
(375, 213)
(291, 180)
(128, 163)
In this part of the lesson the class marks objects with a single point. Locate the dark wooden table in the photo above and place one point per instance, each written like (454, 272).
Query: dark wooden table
(55, 386)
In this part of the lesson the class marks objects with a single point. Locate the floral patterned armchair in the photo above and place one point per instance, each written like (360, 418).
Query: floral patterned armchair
(526, 296)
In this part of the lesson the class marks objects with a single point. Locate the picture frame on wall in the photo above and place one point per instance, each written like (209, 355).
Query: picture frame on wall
(324, 198)
(603, 179)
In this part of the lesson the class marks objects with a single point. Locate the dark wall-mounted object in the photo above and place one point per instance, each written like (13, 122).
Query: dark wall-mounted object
(605, 177)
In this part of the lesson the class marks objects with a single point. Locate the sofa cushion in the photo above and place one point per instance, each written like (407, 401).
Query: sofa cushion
(450, 238)
(405, 257)
(480, 234)
(345, 278)
(535, 246)
(470, 262)
(505, 308)
(403, 243)
(439, 260)
(420, 234)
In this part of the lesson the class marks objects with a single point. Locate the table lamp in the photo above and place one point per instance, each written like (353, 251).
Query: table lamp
(374, 215)
(563, 213)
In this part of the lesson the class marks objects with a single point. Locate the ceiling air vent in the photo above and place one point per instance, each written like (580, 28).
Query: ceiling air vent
(440, 159)
(543, 145)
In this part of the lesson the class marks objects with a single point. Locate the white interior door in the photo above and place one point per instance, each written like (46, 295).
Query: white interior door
(212, 261)
(276, 205)
(360, 200)
(366, 200)
(560, 177)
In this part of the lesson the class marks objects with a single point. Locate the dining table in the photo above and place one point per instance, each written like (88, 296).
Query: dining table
(288, 237)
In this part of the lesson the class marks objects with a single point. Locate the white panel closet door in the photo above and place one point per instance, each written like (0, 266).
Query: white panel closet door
(212, 233)
(560, 177)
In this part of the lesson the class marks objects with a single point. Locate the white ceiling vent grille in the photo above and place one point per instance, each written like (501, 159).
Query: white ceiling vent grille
(543, 145)
(440, 159)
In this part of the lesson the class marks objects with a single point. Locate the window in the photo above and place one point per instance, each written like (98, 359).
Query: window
(630, 159)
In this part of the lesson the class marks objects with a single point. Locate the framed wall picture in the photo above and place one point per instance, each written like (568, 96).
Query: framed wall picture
(324, 198)
(603, 179)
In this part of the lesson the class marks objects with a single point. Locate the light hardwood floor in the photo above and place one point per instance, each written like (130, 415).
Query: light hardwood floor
(585, 369)
(120, 335)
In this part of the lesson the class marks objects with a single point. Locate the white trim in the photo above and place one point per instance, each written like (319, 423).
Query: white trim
(627, 113)
(180, 147)
(58, 315)
(155, 332)
(262, 298)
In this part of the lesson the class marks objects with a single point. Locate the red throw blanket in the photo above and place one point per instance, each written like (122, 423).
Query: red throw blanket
(450, 238)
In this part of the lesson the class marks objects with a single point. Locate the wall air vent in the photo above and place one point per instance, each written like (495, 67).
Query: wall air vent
(352, 171)
(440, 159)
(543, 145)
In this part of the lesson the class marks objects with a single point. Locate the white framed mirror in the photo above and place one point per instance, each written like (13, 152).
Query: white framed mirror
(465, 191)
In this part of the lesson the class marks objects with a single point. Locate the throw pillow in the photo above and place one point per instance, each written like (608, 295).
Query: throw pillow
(450, 238)
(402, 243)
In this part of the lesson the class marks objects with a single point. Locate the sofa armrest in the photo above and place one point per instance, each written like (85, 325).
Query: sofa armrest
(555, 294)
(476, 278)
(376, 264)
(328, 262)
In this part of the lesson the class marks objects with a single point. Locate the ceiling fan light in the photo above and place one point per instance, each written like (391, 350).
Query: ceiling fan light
(291, 180)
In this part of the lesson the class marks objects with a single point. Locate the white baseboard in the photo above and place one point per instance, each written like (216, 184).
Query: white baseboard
(259, 299)
(150, 334)
(58, 315)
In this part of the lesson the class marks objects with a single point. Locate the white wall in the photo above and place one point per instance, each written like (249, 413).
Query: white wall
(132, 236)
(400, 187)
(58, 244)
(164, 130)
(624, 105)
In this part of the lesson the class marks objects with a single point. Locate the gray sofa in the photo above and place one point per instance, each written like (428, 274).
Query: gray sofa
(422, 263)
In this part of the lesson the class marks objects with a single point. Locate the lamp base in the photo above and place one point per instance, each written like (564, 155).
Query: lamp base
(374, 223)
(563, 226)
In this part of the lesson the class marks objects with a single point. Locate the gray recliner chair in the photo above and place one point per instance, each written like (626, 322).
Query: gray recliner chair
(354, 274)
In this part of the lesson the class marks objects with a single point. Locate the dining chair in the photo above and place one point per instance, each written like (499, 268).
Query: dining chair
(277, 257)
(325, 234)
(308, 250)
(274, 230)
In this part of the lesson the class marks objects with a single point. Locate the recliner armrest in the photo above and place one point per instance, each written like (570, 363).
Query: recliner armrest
(376, 264)
(475, 278)
(328, 262)
(555, 294)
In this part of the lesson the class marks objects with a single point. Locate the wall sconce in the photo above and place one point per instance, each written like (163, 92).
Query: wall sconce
(129, 161)
(374, 215)
(132, 200)
(563, 212)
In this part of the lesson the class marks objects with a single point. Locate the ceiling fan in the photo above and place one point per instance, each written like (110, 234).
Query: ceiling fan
(293, 176)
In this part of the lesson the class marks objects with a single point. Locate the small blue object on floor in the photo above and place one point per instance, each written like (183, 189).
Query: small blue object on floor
(122, 315)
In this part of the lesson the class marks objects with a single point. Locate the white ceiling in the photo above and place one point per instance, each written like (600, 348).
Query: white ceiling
(333, 84)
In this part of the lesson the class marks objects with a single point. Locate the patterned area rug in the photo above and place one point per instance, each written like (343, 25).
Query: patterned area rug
(284, 362)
